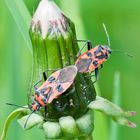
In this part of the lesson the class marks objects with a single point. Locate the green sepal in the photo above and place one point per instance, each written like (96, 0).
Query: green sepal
(69, 127)
(33, 120)
(85, 124)
(10, 118)
(52, 130)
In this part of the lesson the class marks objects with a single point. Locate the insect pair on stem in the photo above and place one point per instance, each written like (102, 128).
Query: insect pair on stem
(59, 81)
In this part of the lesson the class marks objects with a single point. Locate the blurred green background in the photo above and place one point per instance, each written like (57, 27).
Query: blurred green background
(122, 19)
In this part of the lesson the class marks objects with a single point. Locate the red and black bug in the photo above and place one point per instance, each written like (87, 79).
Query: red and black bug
(57, 83)
(94, 58)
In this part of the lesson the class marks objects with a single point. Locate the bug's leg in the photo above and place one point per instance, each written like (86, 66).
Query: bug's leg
(96, 78)
(90, 75)
(45, 76)
(53, 70)
(35, 85)
(45, 110)
(87, 43)
(101, 66)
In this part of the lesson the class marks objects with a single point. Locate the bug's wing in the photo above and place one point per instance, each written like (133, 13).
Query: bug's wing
(57, 90)
(51, 79)
(83, 64)
(67, 74)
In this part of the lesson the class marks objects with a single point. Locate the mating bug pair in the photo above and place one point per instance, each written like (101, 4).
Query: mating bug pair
(59, 81)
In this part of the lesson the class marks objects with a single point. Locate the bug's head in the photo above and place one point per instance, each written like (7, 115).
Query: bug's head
(107, 49)
(35, 106)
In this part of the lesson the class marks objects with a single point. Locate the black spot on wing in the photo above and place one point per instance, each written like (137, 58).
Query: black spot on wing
(102, 56)
(44, 100)
(43, 90)
(89, 54)
(99, 49)
(59, 88)
(51, 79)
(95, 63)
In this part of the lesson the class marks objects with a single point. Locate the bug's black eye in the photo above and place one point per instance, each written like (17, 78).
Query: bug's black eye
(109, 51)
(51, 79)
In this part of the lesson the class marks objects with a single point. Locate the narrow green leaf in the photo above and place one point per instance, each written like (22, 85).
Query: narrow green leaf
(13, 115)
(22, 18)
(31, 5)
(114, 128)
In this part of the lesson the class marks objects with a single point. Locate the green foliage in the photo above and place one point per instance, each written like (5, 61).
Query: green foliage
(22, 18)
(122, 20)
(31, 5)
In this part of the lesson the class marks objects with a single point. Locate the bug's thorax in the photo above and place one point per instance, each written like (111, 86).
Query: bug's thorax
(102, 52)
(35, 106)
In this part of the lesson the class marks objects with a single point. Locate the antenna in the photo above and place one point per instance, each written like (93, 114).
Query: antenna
(128, 54)
(106, 32)
(28, 118)
(17, 105)
(108, 39)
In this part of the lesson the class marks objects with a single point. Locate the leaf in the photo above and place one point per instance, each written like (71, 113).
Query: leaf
(13, 115)
(22, 18)
(31, 5)
(114, 111)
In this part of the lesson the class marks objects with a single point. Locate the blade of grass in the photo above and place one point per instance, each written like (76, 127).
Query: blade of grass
(22, 18)
(101, 131)
(114, 128)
